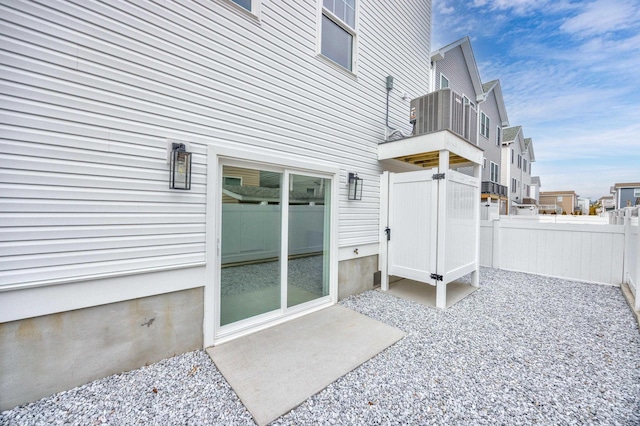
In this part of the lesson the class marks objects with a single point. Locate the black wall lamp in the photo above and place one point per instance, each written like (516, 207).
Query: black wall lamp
(355, 187)
(180, 177)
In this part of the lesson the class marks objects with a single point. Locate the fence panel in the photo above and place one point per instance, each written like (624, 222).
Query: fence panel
(632, 253)
(584, 252)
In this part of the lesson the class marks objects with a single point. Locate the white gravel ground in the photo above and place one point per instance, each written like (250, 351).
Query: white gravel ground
(524, 349)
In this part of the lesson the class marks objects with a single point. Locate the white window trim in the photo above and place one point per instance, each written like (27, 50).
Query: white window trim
(486, 123)
(256, 6)
(217, 155)
(497, 176)
(636, 192)
(442, 76)
(354, 34)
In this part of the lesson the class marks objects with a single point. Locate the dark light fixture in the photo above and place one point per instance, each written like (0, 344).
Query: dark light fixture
(180, 167)
(355, 187)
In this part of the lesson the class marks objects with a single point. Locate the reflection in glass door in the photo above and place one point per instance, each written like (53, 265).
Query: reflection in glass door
(308, 262)
(251, 243)
(267, 267)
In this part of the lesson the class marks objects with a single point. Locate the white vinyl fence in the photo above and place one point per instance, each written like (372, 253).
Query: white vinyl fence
(600, 253)
(632, 252)
(251, 232)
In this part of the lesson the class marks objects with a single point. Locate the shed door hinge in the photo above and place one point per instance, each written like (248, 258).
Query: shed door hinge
(438, 176)
(436, 277)
(387, 230)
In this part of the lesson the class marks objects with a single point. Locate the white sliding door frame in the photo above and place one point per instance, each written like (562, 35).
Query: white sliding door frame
(218, 156)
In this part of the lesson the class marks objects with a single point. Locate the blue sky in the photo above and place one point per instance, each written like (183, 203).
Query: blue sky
(570, 75)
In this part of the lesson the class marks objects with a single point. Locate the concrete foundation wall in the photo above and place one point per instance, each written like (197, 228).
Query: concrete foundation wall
(356, 275)
(47, 354)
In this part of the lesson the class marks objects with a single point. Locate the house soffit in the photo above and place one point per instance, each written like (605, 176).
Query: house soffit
(424, 150)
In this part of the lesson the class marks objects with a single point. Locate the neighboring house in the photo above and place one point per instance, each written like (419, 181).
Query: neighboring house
(558, 202)
(512, 148)
(583, 205)
(626, 194)
(606, 204)
(528, 158)
(105, 268)
(535, 188)
(454, 66)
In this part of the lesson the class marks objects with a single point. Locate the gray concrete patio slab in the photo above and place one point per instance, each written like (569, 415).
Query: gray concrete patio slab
(426, 294)
(275, 370)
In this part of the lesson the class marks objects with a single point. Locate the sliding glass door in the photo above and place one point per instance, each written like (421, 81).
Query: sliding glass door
(272, 259)
(308, 260)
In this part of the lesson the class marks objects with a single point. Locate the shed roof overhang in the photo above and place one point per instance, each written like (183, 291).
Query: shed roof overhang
(424, 150)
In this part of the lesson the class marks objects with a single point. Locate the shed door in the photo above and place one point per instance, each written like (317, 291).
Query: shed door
(413, 204)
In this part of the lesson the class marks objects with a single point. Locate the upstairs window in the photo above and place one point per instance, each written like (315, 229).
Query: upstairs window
(512, 153)
(444, 82)
(243, 3)
(519, 161)
(484, 125)
(513, 184)
(498, 135)
(232, 181)
(524, 164)
(494, 172)
(252, 6)
(339, 32)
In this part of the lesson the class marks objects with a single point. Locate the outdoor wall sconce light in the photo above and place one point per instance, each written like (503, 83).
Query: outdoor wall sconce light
(180, 177)
(355, 187)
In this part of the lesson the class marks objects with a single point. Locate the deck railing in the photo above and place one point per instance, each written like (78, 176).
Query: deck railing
(493, 188)
(444, 109)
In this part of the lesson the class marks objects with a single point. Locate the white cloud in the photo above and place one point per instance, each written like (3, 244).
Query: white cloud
(603, 16)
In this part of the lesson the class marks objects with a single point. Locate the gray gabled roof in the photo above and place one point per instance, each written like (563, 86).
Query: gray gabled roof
(528, 145)
(494, 85)
(511, 133)
(486, 87)
(465, 44)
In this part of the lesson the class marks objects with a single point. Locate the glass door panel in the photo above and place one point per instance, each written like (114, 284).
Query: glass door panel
(250, 244)
(308, 241)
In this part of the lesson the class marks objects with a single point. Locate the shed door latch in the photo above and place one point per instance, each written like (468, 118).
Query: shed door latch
(387, 230)
(436, 277)
(438, 176)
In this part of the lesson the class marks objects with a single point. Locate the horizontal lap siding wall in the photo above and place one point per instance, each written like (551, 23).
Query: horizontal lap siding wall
(91, 91)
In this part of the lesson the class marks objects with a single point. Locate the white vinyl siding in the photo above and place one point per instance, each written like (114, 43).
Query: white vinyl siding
(92, 91)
